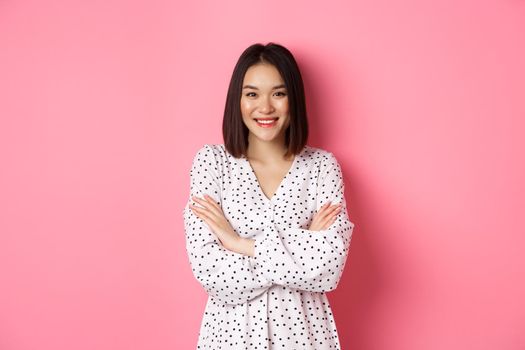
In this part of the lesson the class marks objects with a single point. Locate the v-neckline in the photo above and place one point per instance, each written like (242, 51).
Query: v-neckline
(281, 184)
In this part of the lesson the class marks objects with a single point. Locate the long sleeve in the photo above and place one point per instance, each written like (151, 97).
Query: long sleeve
(304, 259)
(227, 276)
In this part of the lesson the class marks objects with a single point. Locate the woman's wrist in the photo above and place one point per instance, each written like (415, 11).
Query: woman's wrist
(243, 246)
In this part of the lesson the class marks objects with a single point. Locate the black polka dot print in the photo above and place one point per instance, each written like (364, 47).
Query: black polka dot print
(275, 299)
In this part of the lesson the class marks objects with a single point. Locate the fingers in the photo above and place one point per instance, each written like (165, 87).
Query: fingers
(206, 217)
(325, 206)
(201, 212)
(326, 210)
(333, 208)
(209, 204)
(325, 216)
(212, 202)
(330, 220)
(328, 215)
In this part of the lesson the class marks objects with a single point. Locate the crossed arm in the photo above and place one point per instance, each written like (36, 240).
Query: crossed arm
(211, 213)
(235, 270)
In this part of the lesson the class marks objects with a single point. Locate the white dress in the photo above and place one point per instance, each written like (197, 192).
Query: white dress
(275, 299)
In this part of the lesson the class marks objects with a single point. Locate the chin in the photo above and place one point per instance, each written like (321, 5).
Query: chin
(266, 137)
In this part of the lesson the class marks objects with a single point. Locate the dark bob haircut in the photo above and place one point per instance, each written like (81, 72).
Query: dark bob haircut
(234, 132)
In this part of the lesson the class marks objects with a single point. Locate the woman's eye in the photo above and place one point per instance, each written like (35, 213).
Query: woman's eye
(253, 94)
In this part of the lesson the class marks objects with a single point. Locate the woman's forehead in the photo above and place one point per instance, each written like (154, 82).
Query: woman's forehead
(263, 76)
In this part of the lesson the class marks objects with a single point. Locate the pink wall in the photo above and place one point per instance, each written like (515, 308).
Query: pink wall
(104, 103)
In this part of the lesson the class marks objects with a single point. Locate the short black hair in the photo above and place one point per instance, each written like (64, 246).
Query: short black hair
(234, 132)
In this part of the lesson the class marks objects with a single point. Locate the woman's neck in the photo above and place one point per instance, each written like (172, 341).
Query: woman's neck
(266, 152)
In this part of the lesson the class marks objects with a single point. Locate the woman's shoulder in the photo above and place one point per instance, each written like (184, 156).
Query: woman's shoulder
(211, 150)
(210, 157)
(212, 154)
(318, 154)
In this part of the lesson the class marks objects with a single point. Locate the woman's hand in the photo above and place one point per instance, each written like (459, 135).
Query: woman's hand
(325, 217)
(212, 215)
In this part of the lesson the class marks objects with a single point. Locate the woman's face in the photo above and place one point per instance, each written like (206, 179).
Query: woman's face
(264, 103)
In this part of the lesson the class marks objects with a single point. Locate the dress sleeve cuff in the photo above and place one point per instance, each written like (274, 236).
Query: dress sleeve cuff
(262, 253)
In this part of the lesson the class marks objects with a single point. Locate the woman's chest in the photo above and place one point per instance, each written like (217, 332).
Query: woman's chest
(269, 178)
(249, 210)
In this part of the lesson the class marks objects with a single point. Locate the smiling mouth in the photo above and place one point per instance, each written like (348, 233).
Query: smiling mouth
(266, 122)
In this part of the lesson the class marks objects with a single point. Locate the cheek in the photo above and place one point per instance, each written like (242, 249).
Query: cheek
(283, 105)
(246, 106)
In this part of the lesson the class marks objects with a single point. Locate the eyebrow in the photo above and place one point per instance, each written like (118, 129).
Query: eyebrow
(255, 88)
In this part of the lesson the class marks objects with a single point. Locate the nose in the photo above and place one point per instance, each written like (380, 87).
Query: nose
(265, 105)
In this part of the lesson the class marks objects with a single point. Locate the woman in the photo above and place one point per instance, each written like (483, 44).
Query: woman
(267, 230)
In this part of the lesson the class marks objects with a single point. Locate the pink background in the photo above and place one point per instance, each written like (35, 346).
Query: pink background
(103, 105)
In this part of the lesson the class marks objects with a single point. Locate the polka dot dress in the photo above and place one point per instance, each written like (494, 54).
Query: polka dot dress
(275, 299)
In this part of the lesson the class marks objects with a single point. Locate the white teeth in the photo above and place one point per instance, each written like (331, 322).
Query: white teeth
(266, 121)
